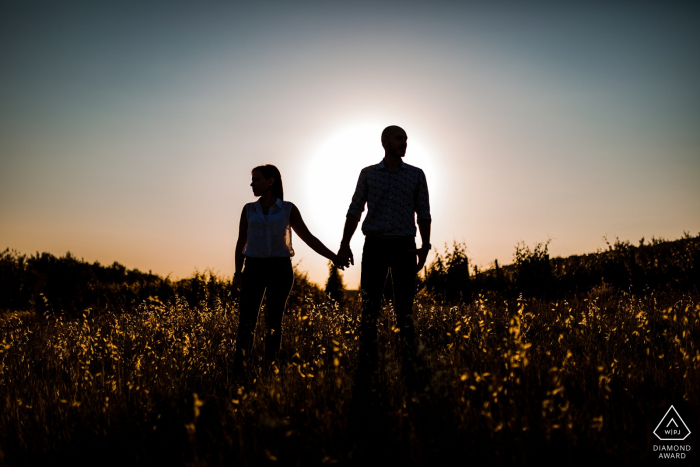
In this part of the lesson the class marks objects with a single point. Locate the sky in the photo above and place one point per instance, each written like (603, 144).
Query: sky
(128, 129)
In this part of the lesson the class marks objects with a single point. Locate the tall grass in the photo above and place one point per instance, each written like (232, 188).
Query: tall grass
(514, 381)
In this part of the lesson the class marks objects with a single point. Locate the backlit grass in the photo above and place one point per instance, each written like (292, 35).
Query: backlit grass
(513, 381)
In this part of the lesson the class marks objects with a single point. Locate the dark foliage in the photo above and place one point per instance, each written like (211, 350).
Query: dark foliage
(50, 284)
(533, 269)
(661, 264)
(335, 288)
(449, 275)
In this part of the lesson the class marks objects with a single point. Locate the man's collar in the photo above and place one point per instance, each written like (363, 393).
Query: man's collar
(383, 166)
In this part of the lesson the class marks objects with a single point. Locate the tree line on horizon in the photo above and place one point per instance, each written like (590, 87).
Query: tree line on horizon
(44, 283)
(673, 265)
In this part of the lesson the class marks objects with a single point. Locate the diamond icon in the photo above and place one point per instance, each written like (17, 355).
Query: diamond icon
(672, 427)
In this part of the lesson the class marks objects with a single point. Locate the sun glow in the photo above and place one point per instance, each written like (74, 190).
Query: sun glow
(331, 178)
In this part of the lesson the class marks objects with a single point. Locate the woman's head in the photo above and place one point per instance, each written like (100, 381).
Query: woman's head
(271, 178)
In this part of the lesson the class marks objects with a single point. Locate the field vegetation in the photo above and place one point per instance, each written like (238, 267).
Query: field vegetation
(554, 361)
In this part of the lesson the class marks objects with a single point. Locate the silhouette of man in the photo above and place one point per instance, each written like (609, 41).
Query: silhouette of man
(394, 193)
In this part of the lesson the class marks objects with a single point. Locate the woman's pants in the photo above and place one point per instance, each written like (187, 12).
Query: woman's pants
(262, 277)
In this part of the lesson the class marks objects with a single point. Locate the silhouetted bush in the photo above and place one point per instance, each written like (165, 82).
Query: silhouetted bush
(335, 288)
(47, 284)
(533, 270)
(661, 264)
(448, 275)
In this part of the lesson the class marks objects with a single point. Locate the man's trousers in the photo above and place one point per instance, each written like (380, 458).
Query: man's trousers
(379, 257)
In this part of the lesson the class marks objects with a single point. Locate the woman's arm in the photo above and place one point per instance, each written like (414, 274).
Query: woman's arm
(240, 244)
(300, 228)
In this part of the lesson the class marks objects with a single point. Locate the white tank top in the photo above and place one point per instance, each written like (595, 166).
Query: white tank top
(270, 235)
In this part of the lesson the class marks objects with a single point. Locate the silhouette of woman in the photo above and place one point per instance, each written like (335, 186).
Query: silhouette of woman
(265, 247)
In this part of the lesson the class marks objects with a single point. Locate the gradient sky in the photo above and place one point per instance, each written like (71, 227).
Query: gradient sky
(128, 129)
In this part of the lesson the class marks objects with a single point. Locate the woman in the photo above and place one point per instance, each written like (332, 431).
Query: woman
(265, 247)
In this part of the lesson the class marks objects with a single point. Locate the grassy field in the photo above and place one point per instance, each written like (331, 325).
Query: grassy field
(514, 381)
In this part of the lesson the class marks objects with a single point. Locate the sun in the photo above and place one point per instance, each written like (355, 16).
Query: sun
(334, 166)
(333, 170)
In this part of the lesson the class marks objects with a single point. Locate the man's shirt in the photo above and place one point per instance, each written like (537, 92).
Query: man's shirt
(392, 199)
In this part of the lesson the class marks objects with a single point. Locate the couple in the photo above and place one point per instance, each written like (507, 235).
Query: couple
(393, 192)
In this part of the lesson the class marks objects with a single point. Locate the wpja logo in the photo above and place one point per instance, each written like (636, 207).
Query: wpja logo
(672, 428)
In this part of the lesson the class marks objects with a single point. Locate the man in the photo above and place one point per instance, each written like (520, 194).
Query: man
(393, 191)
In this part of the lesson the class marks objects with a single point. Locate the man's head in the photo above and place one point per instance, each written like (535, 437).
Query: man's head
(394, 141)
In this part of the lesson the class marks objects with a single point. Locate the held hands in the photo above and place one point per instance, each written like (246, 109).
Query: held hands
(344, 257)
(336, 262)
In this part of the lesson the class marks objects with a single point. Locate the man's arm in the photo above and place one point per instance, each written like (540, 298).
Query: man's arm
(345, 257)
(422, 202)
(422, 252)
(359, 198)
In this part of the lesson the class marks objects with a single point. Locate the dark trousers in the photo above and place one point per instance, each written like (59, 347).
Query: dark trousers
(262, 277)
(380, 256)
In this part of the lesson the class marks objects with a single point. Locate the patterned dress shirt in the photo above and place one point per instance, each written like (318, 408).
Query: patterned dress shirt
(392, 198)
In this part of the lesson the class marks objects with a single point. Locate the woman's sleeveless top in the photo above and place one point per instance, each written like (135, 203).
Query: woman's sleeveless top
(270, 235)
